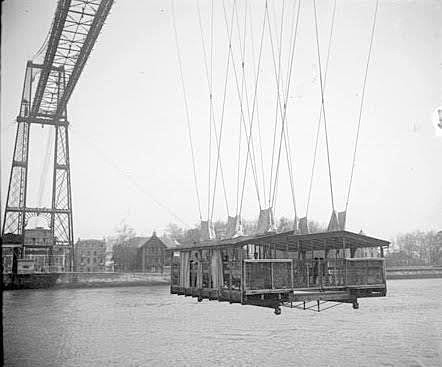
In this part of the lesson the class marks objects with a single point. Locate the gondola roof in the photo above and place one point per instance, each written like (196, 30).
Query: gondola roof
(292, 241)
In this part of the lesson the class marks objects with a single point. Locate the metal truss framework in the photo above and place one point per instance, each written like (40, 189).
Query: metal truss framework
(46, 92)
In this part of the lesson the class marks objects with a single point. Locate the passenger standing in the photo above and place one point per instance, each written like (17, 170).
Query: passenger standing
(315, 270)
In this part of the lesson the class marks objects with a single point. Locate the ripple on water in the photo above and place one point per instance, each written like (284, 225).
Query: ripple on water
(139, 326)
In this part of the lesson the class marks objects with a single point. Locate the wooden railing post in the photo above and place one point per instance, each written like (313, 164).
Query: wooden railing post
(292, 273)
(366, 273)
(244, 272)
(345, 272)
(345, 261)
(210, 268)
(241, 259)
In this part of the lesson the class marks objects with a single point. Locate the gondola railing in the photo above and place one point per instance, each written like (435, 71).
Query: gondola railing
(279, 274)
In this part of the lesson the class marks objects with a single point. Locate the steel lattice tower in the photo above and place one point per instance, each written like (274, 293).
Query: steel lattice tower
(46, 92)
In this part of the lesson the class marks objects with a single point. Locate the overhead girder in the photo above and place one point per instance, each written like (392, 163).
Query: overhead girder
(74, 31)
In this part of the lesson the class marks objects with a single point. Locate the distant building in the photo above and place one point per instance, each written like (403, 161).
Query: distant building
(152, 255)
(38, 251)
(108, 261)
(141, 254)
(125, 254)
(436, 255)
(90, 256)
(38, 244)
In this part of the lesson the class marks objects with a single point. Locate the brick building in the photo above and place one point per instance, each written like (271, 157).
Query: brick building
(151, 255)
(90, 256)
(125, 254)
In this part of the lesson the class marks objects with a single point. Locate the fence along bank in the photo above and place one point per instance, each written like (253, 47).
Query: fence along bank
(284, 269)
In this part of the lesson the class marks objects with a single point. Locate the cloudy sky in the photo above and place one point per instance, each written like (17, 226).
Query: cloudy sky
(130, 154)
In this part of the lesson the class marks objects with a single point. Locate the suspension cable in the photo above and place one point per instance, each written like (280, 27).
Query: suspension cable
(44, 44)
(243, 79)
(209, 87)
(318, 129)
(249, 137)
(186, 106)
(241, 100)
(221, 170)
(253, 108)
(362, 102)
(283, 119)
(111, 162)
(223, 109)
(238, 166)
(286, 133)
(278, 98)
(211, 107)
(288, 149)
(251, 152)
(211, 112)
(213, 120)
(258, 121)
(323, 107)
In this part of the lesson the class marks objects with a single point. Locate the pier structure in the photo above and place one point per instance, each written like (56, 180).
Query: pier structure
(48, 86)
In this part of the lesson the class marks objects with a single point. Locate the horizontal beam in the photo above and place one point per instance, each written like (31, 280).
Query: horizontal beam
(16, 163)
(43, 121)
(37, 210)
(41, 66)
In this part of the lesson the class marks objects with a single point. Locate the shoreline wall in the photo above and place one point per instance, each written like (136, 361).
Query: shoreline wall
(83, 280)
(414, 272)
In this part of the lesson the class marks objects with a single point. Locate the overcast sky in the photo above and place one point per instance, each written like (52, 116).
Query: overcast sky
(129, 143)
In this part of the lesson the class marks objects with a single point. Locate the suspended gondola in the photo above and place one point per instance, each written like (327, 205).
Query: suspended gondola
(282, 269)
(296, 268)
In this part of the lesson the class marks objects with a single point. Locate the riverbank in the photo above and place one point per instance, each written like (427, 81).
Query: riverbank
(83, 280)
(414, 272)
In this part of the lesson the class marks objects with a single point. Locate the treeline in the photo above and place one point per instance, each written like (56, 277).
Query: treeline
(416, 248)
(409, 249)
(124, 254)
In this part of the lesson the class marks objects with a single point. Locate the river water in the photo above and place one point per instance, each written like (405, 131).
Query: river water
(146, 326)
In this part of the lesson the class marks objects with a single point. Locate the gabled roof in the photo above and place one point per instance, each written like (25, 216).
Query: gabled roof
(136, 242)
(153, 241)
